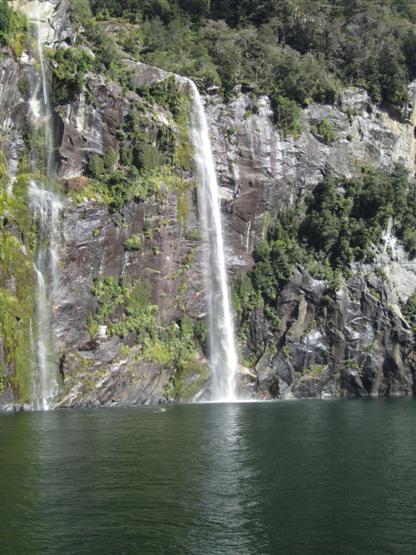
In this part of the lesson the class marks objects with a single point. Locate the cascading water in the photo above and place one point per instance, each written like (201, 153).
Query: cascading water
(47, 107)
(46, 205)
(223, 354)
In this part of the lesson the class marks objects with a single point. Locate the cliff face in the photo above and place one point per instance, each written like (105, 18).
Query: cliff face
(354, 343)
(358, 342)
(261, 171)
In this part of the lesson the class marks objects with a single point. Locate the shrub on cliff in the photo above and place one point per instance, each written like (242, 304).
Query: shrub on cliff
(13, 28)
(344, 218)
(340, 223)
(69, 69)
(325, 131)
(409, 312)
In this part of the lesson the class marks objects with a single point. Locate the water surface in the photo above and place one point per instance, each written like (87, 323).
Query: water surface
(297, 478)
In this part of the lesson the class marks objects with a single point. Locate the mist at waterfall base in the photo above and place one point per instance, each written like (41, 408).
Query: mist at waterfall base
(289, 478)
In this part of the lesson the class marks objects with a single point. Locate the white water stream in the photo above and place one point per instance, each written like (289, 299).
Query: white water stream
(47, 108)
(223, 355)
(46, 206)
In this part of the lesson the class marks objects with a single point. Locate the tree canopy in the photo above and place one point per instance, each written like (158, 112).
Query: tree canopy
(296, 51)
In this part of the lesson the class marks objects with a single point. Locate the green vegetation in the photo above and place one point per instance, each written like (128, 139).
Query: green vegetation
(246, 299)
(325, 131)
(337, 224)
(119, 187)
(81, 13)
(139, 315)
(3, 171)
(315, 370)
(35, 144)
(165, 93)
(151, 160)
(108, 54)
(296, 51)
(17, 302)
(188, 381)
(409, 312)
(286, 114)
(140, 148)
(345, 217)
(125, 309)
(13, 28)
(275, 257)
(69, 68)
(133, 243)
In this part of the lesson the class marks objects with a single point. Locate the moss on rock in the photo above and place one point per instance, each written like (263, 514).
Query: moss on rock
(17, 292)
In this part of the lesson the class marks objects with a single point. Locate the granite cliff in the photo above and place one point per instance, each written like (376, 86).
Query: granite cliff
(143, 241)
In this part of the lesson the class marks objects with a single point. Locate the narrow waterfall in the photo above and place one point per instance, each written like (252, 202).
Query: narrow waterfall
(47, 107)
(222, 350)
(46, 206)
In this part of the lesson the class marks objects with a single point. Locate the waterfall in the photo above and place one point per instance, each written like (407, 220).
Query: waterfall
(47, 107)
(46, 205)
(222, 351)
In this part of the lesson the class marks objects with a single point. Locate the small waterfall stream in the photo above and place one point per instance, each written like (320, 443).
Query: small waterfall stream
(46, 205)
(47, 107)
(223, 354)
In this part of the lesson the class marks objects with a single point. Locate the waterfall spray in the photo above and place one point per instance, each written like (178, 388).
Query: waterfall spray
(222, 351)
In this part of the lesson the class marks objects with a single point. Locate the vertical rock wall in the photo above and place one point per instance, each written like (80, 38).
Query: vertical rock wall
(362, 344)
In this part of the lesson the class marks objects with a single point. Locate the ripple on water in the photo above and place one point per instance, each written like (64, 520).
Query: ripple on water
(266, 478)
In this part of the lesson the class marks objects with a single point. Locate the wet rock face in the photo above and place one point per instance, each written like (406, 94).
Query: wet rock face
(20, 79)
(358, 342)
(87, 128)
(94, 245)
(90, 127)
(350, 344)
(101, 370)
(53, 18)
(12, 112)
(260, 171)
(96, 375)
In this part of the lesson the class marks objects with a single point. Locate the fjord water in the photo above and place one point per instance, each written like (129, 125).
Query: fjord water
(290, 478)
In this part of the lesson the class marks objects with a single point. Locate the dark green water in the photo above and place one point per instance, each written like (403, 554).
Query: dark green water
(285, 478)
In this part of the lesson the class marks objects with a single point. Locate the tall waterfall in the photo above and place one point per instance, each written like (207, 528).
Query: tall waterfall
(46, 205)
(222, 350)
